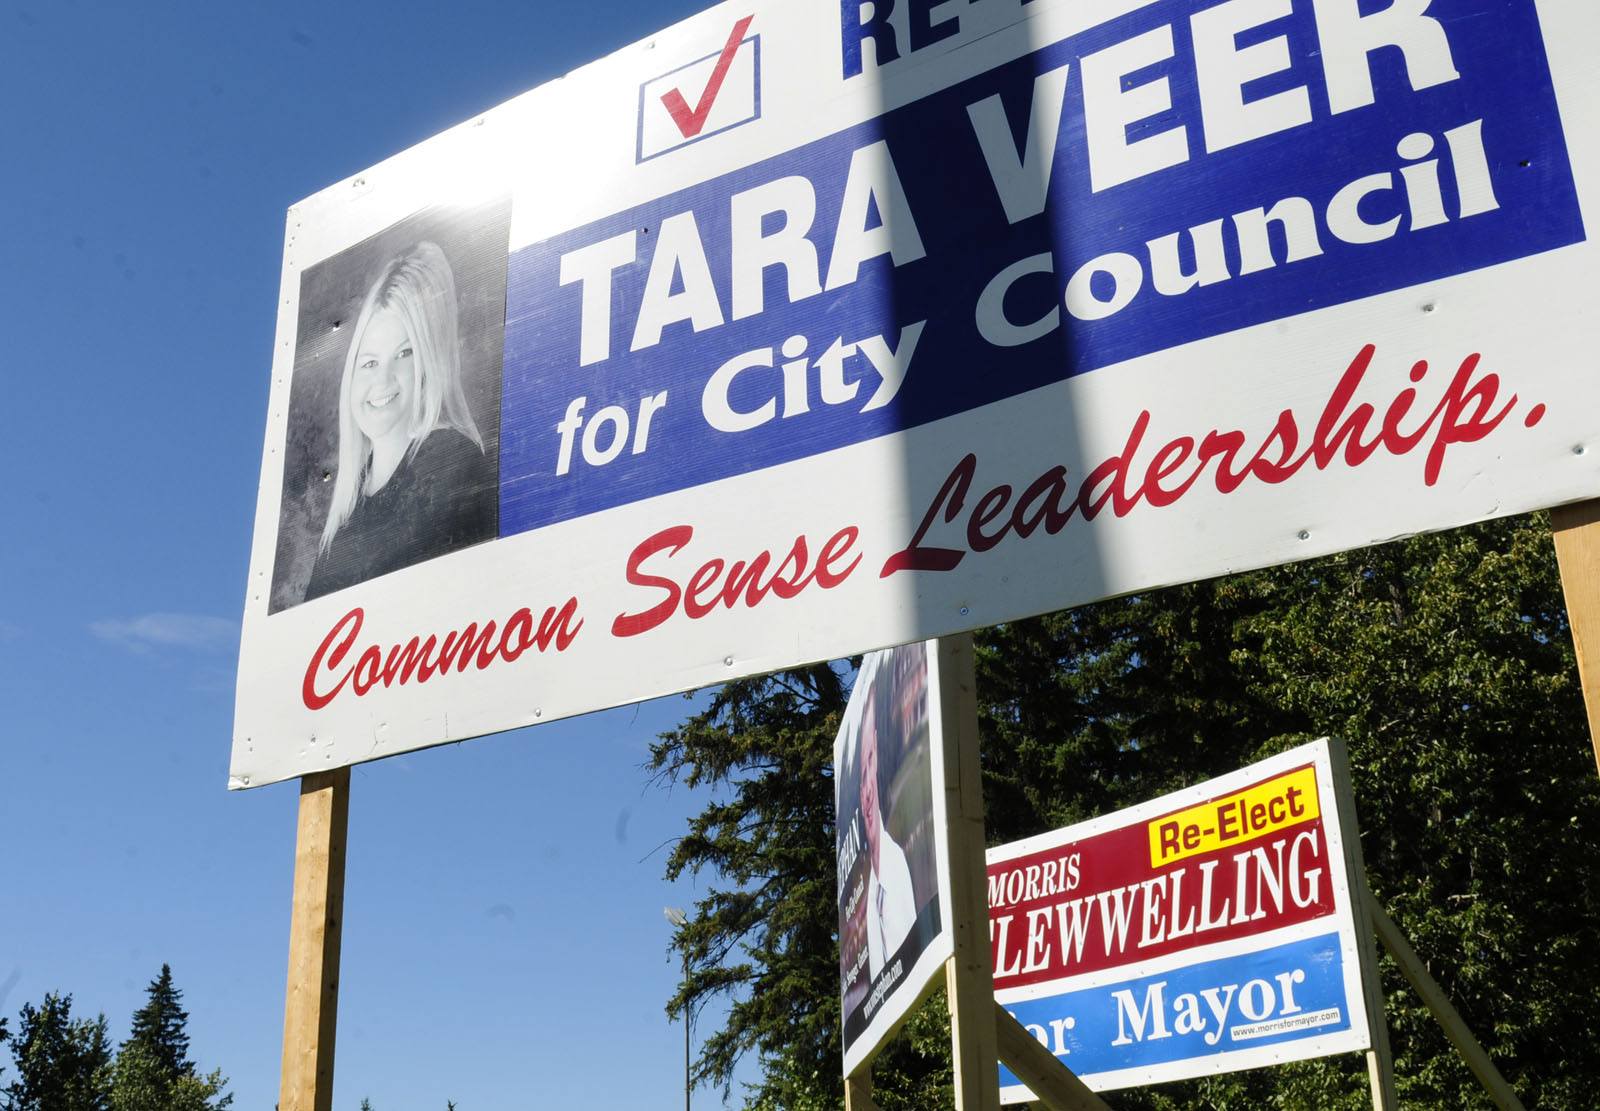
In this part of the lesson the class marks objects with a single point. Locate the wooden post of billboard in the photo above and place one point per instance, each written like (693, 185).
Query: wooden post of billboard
(969, 975)
(1380, 1060)
(858, 1090)
(1576, 531)
(311, 1002)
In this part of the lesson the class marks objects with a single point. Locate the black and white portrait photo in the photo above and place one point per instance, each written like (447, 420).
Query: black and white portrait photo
(392, 454)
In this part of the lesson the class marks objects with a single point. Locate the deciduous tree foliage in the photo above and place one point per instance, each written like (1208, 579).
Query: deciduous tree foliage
(1444, 661)
(140, 1082)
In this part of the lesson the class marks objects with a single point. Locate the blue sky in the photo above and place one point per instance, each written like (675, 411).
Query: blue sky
(504, 942)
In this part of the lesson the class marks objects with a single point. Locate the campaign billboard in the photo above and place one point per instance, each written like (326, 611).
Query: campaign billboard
(804, 328)
(892, 836)
(1205, 931)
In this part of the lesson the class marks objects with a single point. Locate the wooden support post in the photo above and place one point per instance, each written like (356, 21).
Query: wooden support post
(858, 1090)
(1380, 1060)
(969, 975)
(311, 1002)
(1433, 995)
(1046, 1077)
(1576, 529)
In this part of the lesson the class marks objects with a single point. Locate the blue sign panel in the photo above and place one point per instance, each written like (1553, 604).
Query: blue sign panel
(1101, 198)
(1251, 1001)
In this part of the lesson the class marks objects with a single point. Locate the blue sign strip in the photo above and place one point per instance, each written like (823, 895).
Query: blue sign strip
(1420, 183)
(1282, 994)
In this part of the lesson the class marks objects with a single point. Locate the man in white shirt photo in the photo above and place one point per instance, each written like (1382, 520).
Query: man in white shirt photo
(891, 903)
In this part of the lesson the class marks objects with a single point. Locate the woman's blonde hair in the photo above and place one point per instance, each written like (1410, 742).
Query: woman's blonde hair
(420, 288)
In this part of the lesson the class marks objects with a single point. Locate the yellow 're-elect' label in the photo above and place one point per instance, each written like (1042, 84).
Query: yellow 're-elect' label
(1278, 803)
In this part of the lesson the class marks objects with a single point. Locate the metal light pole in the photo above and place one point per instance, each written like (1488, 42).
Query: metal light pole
(678, 919)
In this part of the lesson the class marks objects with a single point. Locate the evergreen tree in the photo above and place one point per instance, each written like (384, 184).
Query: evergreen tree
(160, 1027)
(1444, 661)
(767, 938)
(62, 1064)
(366, 1104)
(153, 1071)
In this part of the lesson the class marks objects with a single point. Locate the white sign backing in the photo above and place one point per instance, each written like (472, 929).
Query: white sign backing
(1205, 931)
(807, 327)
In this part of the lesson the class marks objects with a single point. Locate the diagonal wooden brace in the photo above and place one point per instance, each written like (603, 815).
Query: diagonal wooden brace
(1455, 1028)
(1052, 1082)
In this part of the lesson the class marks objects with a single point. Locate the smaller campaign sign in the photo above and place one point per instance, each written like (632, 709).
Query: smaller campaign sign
(1202, 932)
(894, 909)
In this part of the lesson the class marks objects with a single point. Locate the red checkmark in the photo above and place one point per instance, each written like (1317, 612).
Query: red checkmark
(691, 121)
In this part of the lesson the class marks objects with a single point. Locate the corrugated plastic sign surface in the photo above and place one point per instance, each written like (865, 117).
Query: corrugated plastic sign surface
(1206, 931)
(895, 931)
(805, 328)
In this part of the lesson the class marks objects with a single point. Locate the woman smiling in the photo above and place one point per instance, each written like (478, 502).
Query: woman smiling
(412, 481)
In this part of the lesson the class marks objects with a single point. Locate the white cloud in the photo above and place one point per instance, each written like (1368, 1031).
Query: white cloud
(168, 630)
(9, 630)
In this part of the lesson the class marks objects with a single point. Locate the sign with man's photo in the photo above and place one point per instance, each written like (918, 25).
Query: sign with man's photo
(894, 914)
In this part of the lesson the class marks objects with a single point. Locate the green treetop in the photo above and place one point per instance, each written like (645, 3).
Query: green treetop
(62, 1063)
(160, 1027)
(153, 1071)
